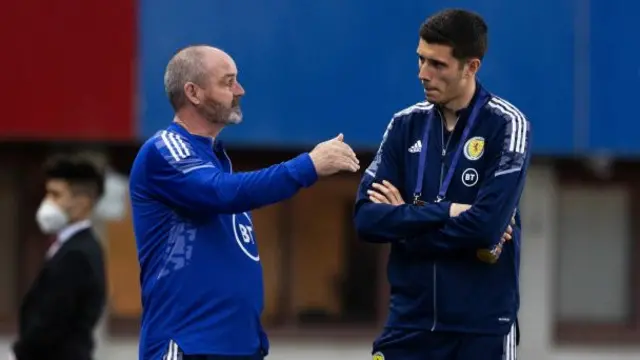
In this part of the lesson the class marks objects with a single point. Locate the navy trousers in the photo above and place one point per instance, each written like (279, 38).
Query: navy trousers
(424, 345)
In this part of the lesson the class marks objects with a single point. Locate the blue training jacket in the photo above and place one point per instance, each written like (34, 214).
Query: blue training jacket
(201, 277)
(437, 282)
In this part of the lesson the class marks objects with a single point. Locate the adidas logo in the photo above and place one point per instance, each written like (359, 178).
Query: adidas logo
(416, 148)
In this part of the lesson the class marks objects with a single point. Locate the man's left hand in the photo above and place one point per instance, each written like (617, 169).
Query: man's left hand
(385, 193)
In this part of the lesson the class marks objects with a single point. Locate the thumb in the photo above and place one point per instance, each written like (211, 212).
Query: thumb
(340, 137)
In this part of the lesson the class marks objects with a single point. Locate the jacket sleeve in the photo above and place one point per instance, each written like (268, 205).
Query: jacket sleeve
(388, 223)
(482, 226)
(182, 179)
(49, 325)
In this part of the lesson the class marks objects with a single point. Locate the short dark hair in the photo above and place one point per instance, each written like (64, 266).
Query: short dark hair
(464, 31)
(80, 171)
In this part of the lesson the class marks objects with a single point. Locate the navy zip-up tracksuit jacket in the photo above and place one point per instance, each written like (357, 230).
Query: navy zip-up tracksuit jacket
(437, 282)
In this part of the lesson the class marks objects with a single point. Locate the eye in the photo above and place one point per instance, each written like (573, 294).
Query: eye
(439, 65)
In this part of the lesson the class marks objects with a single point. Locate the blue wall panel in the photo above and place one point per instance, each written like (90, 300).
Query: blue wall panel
(615, 78)
(315, 68)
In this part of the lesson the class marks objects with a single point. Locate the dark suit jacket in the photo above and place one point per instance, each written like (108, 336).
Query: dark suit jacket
(60, 311)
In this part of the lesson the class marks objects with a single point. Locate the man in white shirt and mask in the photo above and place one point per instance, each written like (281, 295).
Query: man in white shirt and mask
(64, 304)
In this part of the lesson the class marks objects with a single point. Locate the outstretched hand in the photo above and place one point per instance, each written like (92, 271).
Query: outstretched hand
(334, 155)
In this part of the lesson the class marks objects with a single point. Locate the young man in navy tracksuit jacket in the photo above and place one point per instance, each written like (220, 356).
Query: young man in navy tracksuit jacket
(443, 190)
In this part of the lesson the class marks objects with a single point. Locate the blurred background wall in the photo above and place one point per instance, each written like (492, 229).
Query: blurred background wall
(88, 75)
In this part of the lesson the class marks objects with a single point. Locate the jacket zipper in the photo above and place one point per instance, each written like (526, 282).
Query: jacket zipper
(229, 160)
(435, 264)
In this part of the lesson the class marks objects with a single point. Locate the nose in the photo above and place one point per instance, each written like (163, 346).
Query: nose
(424, 74)
(238, 89)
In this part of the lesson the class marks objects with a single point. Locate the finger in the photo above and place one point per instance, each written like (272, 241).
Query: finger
(382, 197)
(389, 185)
(507, 237)
(379, 186)
(382, 189)
(341, 153)
(509, 230)
(354, 166)
(374, 200)
(340, 137)
(346, 150)
(378, 197)
(353, 157)
(395, 201)
(394, 191)
(348, 165)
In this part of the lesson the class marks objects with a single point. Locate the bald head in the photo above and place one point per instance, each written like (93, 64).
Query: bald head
(193, 64)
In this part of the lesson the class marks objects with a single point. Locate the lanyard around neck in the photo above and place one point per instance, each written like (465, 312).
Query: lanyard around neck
(425, 146)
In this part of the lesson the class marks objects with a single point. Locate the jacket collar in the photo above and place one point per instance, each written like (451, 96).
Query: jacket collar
(480, 95)
(209, 142)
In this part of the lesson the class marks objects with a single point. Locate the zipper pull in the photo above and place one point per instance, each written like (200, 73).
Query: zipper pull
(444, 152)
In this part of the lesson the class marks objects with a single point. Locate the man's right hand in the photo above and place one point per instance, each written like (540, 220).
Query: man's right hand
(332, 156)
(457, 209)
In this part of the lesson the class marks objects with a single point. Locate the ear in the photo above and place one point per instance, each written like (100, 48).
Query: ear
(192, 92)
(473, 65)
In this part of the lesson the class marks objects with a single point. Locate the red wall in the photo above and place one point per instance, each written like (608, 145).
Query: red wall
(68, 69)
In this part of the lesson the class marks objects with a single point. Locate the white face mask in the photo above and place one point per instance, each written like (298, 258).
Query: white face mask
(51, 218)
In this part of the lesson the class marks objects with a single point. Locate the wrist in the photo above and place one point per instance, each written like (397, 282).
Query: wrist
(445, 209)
(303, 170)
